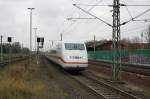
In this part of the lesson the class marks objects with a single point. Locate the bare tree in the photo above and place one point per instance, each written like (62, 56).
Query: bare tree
(135, 39)
(125, 41)
(147, 35)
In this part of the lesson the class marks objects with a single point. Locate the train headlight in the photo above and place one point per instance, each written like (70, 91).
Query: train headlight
(83, 57)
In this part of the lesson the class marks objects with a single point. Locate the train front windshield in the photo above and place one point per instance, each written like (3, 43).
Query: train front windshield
(74, 46)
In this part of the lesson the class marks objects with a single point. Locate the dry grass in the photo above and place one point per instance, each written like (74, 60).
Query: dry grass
(19, 89)
(18, 83)
(21, 81)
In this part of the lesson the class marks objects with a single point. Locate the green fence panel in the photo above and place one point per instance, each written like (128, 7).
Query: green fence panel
(132, 56)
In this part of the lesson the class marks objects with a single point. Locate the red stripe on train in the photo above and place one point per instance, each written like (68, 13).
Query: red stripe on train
(69, 62)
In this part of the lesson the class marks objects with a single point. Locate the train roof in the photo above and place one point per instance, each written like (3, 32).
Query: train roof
(72, 41)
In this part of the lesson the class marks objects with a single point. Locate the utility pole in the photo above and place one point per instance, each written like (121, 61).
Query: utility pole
(116, 46)
(31, 27)
(61, 36)
(1, 48)
(30, 32)
(35, 29)
(141, 48)
(52, 43)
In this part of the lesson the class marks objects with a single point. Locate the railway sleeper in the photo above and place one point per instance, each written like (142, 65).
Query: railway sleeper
(106, 94)
(111, 95)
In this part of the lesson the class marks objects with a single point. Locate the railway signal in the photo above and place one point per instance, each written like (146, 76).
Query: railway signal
(40, 40)
(9, 39)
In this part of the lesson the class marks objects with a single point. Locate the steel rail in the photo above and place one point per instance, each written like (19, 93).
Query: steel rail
(103, 90)
(94, 78)
(98, 88)
(14, 60)
(143, 66)
(103, 94)
(132, 68)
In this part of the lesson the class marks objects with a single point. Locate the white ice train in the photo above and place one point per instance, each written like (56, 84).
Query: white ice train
(70, 55)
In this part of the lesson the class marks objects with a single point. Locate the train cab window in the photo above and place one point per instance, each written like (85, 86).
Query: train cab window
(74, 46)
(53, 51)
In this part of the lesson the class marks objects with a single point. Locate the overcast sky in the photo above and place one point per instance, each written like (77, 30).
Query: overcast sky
(50, 17)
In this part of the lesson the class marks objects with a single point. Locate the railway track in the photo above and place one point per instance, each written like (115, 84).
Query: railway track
(13, 60)
(67, 80)
(102, 89)
(99, 88)
(133, 68)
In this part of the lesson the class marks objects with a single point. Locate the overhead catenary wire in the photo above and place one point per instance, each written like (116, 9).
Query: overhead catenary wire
(144, 20)
(132, 19)
(79, 18)
(83, 18)
(126, 6)
(70, 25)
(95, 3)
(129, 12)
(108, 5)
(87, 10)
(96, 27)
(133, 5)
(123, 22)
(81, 4)
(76, 21)
(93, 15)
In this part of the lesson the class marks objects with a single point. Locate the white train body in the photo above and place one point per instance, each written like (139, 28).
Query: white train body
(70, 55)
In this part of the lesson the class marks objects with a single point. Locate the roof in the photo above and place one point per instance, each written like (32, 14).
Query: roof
(97, 43)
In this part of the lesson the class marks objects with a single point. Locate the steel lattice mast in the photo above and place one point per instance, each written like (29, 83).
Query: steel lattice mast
(116, 46)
